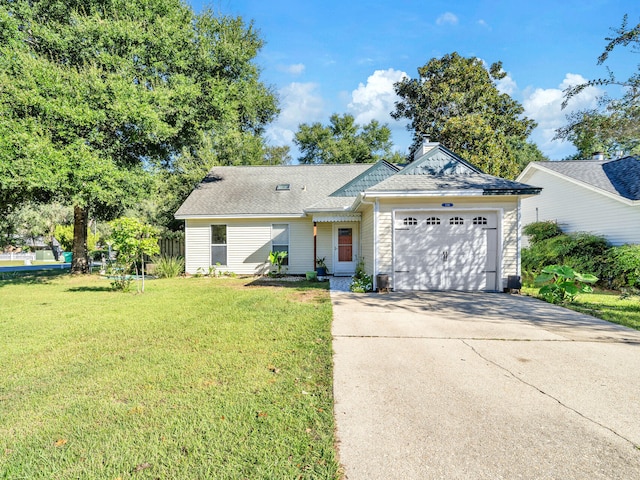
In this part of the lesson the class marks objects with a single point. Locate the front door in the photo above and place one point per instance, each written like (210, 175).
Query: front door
(345, 248)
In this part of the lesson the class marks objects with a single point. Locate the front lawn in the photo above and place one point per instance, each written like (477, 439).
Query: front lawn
(606, 305)
(196, 378)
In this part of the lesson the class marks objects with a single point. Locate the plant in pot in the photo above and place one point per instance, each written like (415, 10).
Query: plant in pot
(321, 266)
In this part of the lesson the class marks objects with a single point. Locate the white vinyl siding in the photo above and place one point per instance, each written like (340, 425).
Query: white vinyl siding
(197, 238)
(578, 208)
(366, 239)
(249, 245)
(324, 245)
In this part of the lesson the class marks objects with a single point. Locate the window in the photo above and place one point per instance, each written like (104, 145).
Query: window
(218, 244)
(433, 221)
(456, 221)
(480, 221)
(280, 239)
(410, 221)
(283, 187)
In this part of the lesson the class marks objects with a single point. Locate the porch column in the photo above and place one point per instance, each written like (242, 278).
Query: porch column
(315, 244)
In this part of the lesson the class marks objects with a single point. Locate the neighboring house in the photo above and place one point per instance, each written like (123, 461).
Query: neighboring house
(597, 196)
(438, 223)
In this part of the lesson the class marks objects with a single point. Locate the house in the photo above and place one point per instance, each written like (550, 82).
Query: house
(597, 196)
(438, 223)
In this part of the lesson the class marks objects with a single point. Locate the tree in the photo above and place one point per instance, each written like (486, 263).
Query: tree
(133, 240)
(614, 126)
(525, 152)
(343, 141)
(455, 101)
(96, 95)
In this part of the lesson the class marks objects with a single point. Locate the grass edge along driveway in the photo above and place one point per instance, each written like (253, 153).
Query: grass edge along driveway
(196, 378)
(606, 305)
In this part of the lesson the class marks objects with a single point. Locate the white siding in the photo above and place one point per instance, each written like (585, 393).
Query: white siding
(197, 242)
(507, 225)
(248, 245)
(366, 238)
(324, 245)
(579, 209)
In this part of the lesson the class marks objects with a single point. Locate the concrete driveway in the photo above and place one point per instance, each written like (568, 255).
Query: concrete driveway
(475, 386)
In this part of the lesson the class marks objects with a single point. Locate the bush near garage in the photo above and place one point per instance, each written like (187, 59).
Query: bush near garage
(582, 251)
(624, 267)
(617, 267)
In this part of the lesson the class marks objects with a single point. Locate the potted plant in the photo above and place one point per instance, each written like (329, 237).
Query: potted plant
(321, 266)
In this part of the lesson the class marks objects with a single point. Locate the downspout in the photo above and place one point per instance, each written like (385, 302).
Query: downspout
(519, 242)
(376, 210)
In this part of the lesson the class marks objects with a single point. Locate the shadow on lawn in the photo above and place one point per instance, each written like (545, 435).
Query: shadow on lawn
(90, 289)
(294, 284)
(38, 277)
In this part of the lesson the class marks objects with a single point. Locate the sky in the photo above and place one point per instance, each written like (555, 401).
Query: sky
(341, 56)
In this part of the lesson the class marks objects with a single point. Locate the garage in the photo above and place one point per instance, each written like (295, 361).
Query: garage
(445, 250)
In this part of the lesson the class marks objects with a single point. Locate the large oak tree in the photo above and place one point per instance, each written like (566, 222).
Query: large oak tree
(456, 101)
(96, 94)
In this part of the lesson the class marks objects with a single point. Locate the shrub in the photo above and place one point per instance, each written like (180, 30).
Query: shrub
(539, 231)
(582, 251)
(168, 267)
(563, 283)
(624, 266)
(361, 282)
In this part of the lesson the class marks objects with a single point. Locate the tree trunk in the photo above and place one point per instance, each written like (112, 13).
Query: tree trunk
(80, 263)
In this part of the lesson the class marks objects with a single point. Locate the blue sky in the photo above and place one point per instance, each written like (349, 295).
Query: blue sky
(330, 56)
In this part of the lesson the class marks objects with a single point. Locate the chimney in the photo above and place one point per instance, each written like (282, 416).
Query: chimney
(425, 147)
(598, 156)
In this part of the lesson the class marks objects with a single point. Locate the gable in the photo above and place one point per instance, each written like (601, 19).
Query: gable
(440, 171)
(439, 161)
(374, 175)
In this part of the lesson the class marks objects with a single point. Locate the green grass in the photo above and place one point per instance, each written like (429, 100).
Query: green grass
(196, 378)
(607, 305)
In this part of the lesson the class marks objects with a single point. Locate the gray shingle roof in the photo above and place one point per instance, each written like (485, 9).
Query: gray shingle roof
(620, 176)
(471, 181)
(251, 190)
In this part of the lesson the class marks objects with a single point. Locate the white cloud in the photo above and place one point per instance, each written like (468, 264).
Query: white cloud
(376, 99)
(484, 24)
(447, 18)
(545, 107)
(299, 103)
(295, 69)
(506, 85)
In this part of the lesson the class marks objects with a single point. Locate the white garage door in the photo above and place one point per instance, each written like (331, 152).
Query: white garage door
(445, 250)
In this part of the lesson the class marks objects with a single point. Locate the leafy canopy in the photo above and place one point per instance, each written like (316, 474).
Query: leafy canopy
(343, 141)
(97, 94)
(614, 126)
(455, 101)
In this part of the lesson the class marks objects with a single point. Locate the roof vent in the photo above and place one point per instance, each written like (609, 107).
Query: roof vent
(282, 187)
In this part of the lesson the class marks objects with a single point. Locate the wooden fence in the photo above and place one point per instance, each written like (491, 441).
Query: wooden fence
(172, 247)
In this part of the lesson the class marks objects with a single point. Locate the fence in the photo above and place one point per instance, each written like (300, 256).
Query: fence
(17, 256)
(172, 247)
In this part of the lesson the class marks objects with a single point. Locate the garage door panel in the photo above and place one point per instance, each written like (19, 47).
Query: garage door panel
(459, 253)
